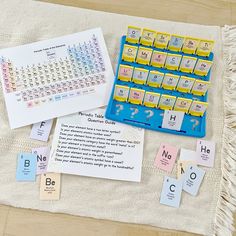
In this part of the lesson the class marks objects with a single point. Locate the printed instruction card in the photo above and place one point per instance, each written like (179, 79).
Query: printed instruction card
(55, 77)
(87, 144)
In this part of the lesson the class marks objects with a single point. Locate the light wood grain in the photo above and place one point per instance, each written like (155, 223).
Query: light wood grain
(19, 222)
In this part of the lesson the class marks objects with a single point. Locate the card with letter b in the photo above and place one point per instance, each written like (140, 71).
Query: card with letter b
(158, 71)
(26, 167)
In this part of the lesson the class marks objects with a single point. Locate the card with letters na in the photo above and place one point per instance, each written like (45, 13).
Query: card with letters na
(159, 72)
(55, 77)
(87, 144)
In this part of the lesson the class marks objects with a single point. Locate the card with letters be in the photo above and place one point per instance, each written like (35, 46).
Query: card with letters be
(55, 77)
(89, 145)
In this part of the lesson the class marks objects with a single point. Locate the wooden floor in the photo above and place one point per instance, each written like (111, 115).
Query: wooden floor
(22, 222)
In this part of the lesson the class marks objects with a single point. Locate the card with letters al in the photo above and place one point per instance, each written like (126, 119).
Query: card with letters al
(55, 77)
(156, 72)
(87, 144)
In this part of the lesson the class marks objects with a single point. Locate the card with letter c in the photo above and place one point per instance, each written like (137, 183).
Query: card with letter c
(171, 192)
(173, 61)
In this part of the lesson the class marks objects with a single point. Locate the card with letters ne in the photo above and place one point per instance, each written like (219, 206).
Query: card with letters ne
(26, 167)
(87, 144)
(42, 158)
(192, 179)
(55, 77)
(171, 192)
(166, 157)
(50, 186)
(206, 153)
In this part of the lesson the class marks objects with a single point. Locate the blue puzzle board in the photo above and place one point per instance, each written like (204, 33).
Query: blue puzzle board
(126, 112)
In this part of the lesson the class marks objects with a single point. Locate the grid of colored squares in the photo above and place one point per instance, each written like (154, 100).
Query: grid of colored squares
(173, 42)
(170, 61)
(156, 100)
(158, 79)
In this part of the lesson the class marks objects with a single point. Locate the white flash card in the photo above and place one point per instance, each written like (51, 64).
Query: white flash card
(205, 153)
(192, 179)
(171, 192)
(41, 130)
(172, 120)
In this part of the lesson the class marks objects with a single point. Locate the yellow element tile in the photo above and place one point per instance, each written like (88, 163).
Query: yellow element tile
(172, 61)
(155, 78)
(140, 75)
(151, 99)
(170, 81)
(121, 93)
(185, 84)
(187, 64)
(200, 87)
(158, 58)
(182, 104)
(198, 108)
(162, 40)
(166, 102)
(144, 55)
(148, 37)
(133, 34)
(129, 53)
(125, 72)
(136, 96)
(190, 45)
(176, 42)
(202, 67)
(205, 47)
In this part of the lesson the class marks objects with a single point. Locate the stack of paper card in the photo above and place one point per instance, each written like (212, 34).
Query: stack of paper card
(189, 175)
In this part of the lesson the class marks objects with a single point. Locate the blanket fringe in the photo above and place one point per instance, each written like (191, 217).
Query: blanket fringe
(227, 202)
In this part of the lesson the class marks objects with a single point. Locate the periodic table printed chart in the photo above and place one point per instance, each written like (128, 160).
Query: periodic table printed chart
(55, 77)
(158, 71)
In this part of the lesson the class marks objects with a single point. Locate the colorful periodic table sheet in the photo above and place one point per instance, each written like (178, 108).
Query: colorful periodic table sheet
(158, 72)
(55, 77)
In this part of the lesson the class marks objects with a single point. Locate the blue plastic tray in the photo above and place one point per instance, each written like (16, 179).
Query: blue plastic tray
(151, 118)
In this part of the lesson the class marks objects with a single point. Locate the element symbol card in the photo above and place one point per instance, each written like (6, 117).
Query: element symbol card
(55, 77)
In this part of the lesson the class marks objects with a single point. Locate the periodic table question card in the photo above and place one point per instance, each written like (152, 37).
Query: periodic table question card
(55, 77)
(89, 145)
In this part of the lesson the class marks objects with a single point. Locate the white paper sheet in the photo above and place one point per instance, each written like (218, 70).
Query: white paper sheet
(88, 144)
(55, 77)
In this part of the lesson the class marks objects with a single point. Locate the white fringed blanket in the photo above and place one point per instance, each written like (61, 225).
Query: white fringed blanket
(209, 213)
